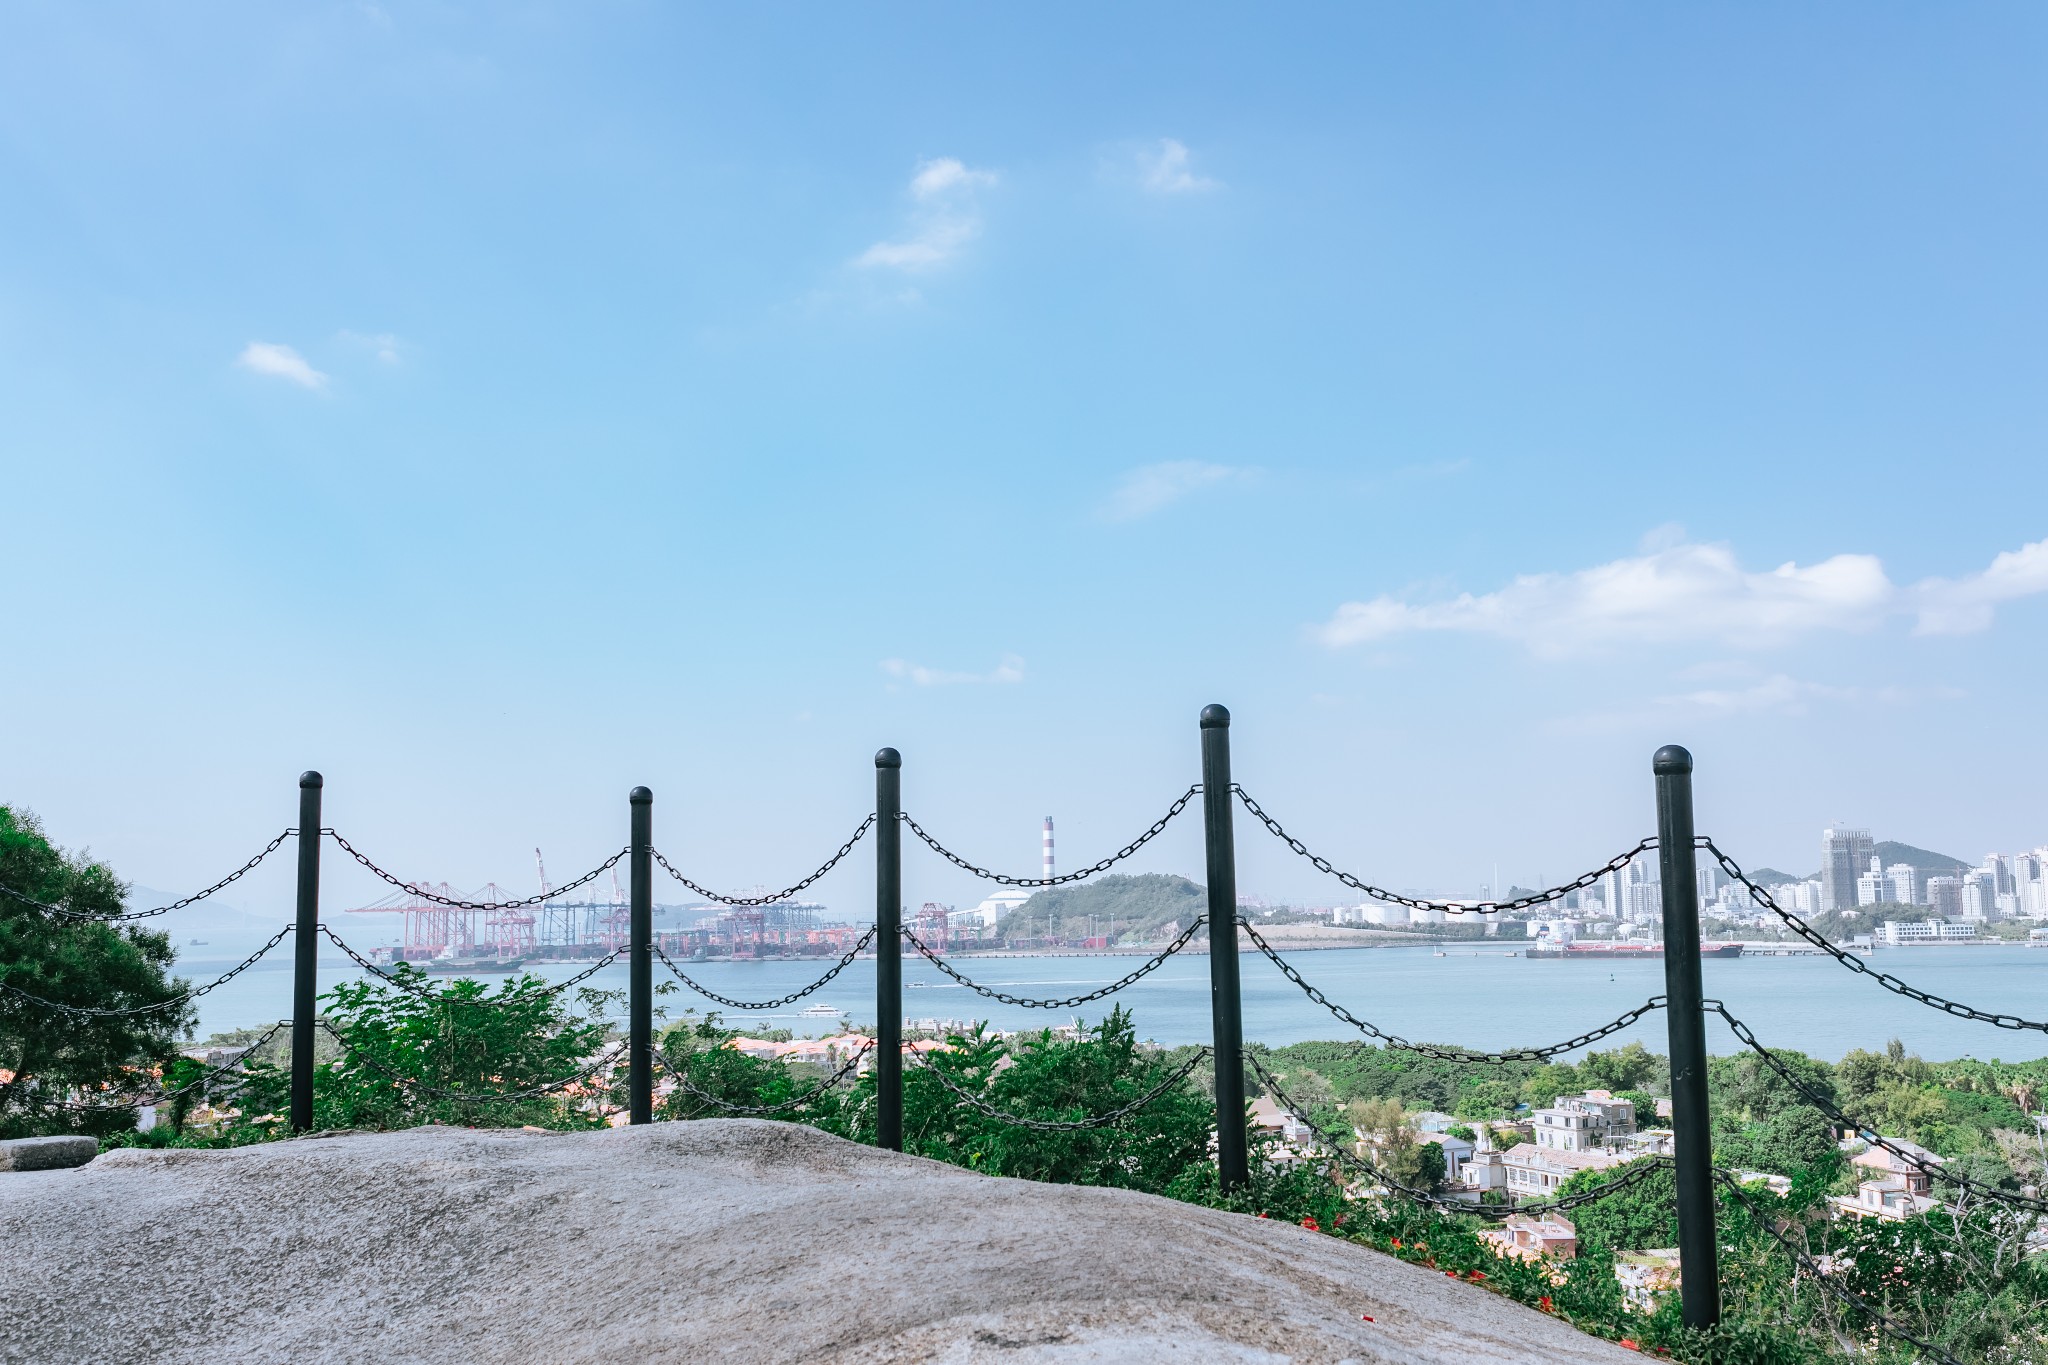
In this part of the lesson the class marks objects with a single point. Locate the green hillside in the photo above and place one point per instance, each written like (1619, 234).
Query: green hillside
(1139, 906)
(1932, 864)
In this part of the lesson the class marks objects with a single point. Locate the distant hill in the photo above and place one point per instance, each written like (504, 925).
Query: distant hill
(1141, 907)
(1768, 876)
(1889, 851)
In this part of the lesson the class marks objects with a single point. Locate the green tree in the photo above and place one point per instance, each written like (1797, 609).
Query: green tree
(88, 964)
(1634, 1219)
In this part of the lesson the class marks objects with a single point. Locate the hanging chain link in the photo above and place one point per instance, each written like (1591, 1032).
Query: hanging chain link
(1448, 1054)
(456, 904)
(1324, 865)
(1070, 1002)
(1639, 1170)
(440, 997)
(356, 1055)
(183, 997)
(975, 1102)
(1932, 1169)
(1826, 1281)
(1854, 964)
(1179, 805)
(193, 899)
(859, 945)
(846, 1068)
(205, 1078)
(781, 895)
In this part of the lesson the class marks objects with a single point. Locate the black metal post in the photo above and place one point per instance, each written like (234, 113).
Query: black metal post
(640, 962)
(1699, 1269)
(1225, 1002)
(306, 952)
(888, 950)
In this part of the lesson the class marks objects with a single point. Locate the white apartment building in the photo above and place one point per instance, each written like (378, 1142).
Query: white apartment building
(1904, 879)
(1536, 1172)
(1927, 931)
(1584, 1123)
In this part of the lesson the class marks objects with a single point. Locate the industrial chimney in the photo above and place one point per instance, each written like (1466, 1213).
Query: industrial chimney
(1048, 848)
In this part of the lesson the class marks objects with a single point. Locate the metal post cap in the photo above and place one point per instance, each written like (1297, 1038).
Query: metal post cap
(1672, 760)
(888, 758)
(1215, 717)
(309, 778)
(641, 796)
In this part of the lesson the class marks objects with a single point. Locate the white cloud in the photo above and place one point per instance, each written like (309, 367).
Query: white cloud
(1010, 670)
(281, 362)
(1164, 169)
(1150, 487)
(1675, 592)
(944, 218)
(383, 345)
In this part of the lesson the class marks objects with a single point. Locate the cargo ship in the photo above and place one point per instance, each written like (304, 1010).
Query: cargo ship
(1575, 951)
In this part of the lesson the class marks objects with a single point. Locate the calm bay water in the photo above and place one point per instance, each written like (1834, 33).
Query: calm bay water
(1477, 999)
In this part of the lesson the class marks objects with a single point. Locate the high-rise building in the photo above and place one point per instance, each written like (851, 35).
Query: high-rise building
(1980, 895)
(1945, 896)
(1872, 887)
(1844, 854)
(1905, 883)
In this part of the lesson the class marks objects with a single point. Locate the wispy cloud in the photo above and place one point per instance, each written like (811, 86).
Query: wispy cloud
(1150, 487)
(1164, 168)
(1683, 591)
(383, 345)
(1778, 694)
(1010, 670)
(280, 362)
(945, 216)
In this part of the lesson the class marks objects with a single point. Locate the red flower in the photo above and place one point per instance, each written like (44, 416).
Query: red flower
(1311, 1224)
(1452, 1273)
(1544, 1303)
(1477, 1276)
(1628, 1345)
(1397, 1244)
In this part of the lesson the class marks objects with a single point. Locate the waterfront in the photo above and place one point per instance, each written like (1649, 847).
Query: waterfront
(1477, 997)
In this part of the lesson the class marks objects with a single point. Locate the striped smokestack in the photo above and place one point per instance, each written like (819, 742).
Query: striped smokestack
(1048, 848)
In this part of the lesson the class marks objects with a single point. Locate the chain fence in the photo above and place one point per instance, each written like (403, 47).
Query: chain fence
(977, 1103)
(1932, 1169)
(456, 903)
(1820, 1277)
(63, 912)
(440, 996)
(1001, 879)
(1325, 866)
(1855, 964)
(859, 946)
(1448, 1054)
(1158, 960)
(782, 895)
(1639, 1170)
(172, 1002)
(683, 1081)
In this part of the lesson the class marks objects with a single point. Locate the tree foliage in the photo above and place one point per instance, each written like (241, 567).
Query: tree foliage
(93, 963)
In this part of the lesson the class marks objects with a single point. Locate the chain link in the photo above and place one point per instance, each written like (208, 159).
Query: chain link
(781, 895)
(846, 1068)
(1324, 865)
(1449, 1054)
(205, 1078)
(1639, 1170)
(1821, 1278)
(1854, 964)
(355, 1054)
(184, 997)
(192, 899)
(1112, 860)
(1933, 1170)
(981, 1105)
(1070, 1002)
(859, 945)
(441, 997)
(455, 904)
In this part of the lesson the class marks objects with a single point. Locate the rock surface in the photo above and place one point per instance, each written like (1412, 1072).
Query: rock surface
(46, 1153)
(728, 1240)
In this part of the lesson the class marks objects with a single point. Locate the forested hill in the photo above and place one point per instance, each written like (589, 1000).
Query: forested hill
(1932, 864)
(1141, 905)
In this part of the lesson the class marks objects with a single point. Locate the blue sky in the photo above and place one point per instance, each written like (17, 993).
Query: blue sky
(496, 407)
